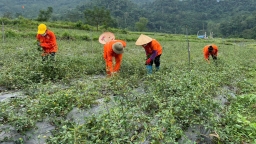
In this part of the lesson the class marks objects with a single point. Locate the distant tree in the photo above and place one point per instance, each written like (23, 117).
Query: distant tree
(141, 25)
(45, 15)
(7, 15)
(17, 14)
(73, 16)
(98, 16)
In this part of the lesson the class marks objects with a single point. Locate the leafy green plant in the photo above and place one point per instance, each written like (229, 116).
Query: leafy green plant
(157, 108)
(239, 123)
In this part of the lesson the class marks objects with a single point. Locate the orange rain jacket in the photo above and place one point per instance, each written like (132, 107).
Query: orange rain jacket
(109, 54)
(48, 42)
(206, 52)
(154, 45)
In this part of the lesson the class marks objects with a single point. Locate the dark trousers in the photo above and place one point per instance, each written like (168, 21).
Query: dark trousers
(51, 55)
(214, 57)
(156, 61)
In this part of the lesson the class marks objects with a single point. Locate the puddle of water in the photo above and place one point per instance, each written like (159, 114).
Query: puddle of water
(196, 134)
(222, 100)
(38, 135)
(6, 96)
(77, 115)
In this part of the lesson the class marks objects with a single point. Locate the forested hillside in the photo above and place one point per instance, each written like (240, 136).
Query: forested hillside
(225, 18)
(31, 8)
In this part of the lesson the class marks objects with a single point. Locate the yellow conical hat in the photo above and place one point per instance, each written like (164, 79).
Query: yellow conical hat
(143, 39)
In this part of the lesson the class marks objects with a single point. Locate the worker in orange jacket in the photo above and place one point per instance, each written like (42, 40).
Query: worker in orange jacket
(113, 48)
(47, 40)
(210, 50)
(153, 51)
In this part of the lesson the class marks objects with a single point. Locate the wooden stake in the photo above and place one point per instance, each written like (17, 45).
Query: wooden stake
(3, 30)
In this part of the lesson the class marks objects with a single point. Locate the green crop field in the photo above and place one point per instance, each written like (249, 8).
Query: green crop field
(138, 108)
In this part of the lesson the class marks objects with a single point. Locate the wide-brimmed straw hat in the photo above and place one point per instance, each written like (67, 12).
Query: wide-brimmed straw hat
(143, 39)
(106, 37)
(118, 48)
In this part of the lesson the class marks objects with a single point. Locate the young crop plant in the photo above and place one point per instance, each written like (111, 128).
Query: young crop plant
(131, 107)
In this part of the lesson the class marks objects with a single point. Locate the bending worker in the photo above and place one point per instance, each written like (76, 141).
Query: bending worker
(153, 51)
(47, 40)
(210, 50)
(113, 48)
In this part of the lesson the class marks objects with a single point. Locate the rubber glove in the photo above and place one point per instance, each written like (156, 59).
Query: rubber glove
(148, 61)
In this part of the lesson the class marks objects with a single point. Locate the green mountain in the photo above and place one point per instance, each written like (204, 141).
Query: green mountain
(222, 17)
(30, 8)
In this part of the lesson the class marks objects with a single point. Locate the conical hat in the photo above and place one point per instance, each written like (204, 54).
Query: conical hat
(106, 37)
(143, 39)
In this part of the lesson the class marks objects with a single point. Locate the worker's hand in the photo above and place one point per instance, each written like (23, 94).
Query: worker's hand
(113, 73)
(148, 61)
(39, 48)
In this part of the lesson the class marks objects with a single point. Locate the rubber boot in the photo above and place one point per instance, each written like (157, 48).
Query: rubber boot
(157, 68)
(149, 69)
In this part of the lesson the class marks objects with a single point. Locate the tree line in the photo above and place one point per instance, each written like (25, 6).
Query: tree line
(225, 18)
